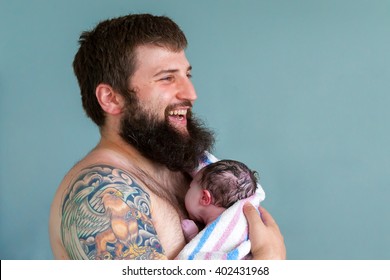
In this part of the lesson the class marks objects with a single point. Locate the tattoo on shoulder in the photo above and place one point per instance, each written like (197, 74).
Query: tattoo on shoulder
(106, 215)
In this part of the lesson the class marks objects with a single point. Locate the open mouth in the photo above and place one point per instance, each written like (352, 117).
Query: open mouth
(180, 115)
(178, 118)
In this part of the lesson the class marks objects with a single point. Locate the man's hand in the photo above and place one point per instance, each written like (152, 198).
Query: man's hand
(267, 242)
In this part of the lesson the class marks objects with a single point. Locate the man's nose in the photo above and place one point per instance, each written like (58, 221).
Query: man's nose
(187, 90)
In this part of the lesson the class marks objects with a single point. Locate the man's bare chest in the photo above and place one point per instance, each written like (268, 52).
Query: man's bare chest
(167, 223)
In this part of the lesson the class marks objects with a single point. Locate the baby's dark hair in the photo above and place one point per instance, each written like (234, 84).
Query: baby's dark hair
(228, 181)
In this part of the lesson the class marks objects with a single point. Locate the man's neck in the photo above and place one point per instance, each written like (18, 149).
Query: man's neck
(111, 140)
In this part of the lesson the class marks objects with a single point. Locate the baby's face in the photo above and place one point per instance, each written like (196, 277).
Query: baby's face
(193, 197)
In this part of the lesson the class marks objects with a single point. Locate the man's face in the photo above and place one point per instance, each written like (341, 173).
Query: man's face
(162, 83)
(158, 119)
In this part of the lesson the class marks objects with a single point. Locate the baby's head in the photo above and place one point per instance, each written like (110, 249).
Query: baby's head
(220, 184)
(228, 181)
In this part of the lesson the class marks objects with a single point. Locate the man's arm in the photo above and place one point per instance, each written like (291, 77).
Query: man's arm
(106, 215)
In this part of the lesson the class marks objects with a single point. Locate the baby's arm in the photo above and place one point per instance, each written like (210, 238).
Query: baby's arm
(190, 229)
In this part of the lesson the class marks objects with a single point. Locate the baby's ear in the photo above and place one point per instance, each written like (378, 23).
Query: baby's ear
(110, 100)
(206, 198)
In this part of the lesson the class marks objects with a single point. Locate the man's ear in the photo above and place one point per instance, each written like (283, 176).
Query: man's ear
(206, 198)
(110, 101)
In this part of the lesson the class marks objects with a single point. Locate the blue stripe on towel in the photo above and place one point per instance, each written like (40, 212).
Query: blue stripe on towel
(232, 255)
(209, 229)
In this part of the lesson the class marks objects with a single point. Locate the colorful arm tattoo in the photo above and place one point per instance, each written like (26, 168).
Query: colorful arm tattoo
(106, 215)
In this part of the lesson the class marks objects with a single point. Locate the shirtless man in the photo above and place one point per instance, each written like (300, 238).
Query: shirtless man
(125, 199)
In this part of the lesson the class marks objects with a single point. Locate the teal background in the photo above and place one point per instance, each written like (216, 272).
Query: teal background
(299, 90)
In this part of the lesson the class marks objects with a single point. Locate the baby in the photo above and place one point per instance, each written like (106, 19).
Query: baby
(215, 188)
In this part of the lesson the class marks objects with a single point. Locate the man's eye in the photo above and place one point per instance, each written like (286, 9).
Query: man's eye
(189, 75)
(168, 78)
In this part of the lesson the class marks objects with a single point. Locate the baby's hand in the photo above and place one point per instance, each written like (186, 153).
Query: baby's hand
(189, 229)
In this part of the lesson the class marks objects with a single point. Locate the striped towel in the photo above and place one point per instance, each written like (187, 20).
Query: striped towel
(227, 237)
(204, 160)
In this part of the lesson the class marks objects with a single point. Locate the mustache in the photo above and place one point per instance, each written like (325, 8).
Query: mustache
(172, 107)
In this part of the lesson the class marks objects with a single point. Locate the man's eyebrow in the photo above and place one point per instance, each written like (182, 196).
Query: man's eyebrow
(169, 71)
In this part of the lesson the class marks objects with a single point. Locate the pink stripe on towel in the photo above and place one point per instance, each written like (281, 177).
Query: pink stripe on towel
(227, 231)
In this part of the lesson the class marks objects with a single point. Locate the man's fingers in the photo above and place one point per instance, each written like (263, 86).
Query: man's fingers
(268, 220)
(267, 242)
(252, 215)
(266, 217)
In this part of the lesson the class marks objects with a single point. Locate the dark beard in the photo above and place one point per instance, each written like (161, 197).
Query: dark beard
(159, 141)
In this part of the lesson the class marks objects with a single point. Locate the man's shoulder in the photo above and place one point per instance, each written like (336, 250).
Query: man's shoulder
(100, 161)
(97, 177)
(97, 201)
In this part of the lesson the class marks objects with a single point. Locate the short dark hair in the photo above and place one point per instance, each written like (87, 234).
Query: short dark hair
(107, 54)
(228, 181)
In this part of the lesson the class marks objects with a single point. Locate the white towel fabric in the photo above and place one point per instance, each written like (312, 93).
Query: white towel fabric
(227, 237)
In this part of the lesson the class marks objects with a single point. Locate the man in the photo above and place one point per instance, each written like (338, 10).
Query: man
(125, 199)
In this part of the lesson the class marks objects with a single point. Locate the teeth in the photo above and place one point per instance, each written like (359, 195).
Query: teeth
(178, 112)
